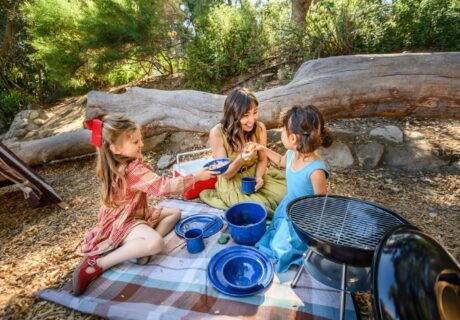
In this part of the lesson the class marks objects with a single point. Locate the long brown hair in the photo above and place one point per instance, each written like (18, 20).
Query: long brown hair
(308, 124)
(108, 164)
(238, 102)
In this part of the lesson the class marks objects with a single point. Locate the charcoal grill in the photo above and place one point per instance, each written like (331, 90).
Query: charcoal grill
(342, 229)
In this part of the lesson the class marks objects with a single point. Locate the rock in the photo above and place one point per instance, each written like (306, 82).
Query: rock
(344, 135)
(31, 126)
(390, 133)
(43, 114)
(338, 155)
(31, 135)
(433, 214)
(151, 142)
(39, 122)
(369, 155)
(185, 141)
(32, 106)
(33, 114)
(411, 158)
(22, 123)
(165, 161)
(18, 134)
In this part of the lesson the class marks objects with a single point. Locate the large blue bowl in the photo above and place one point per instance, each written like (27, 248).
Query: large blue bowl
(243, 272)
(246, 222)
(220, 169)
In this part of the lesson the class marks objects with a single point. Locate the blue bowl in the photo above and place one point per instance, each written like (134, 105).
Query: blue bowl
(242, 272)
(246, 222)
(218, 170)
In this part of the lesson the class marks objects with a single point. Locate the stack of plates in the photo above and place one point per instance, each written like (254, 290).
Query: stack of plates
(240, 271)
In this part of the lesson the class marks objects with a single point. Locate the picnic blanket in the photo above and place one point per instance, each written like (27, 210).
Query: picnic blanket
(174, 285)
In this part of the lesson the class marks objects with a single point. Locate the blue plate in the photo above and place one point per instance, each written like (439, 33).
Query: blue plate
(199, 221)
(218, 280)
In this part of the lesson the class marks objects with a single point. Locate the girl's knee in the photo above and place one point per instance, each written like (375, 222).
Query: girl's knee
(177, 214)
(155, 245)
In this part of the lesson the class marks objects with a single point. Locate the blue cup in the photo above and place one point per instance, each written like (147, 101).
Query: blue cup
(194, 240)
(248, 185)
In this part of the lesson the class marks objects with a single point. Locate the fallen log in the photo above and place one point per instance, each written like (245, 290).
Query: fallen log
(419, 85)
(414, 84)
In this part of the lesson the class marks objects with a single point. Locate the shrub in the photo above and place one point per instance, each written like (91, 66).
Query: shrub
(10, 102)
(227, 43)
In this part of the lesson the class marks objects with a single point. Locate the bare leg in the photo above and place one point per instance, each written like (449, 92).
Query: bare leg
(141, 241)
(169, 218)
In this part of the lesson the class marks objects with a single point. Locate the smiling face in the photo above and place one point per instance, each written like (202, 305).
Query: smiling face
(130, 145)
(249, 118)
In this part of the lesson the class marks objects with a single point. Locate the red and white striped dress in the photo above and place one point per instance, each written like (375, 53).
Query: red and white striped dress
(114, 224)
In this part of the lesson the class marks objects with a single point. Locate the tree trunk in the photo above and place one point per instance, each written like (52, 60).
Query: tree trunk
(299, 12)
(419, 85)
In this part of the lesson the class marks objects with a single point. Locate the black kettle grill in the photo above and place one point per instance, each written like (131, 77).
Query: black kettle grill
(351, 241)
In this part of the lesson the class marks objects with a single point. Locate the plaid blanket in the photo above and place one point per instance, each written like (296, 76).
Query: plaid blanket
(174, 285)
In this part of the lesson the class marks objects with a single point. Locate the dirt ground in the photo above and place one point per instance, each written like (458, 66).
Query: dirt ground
(38, 247)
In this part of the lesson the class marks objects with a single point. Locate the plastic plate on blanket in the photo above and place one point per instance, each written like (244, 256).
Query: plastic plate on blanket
(244, 282)
(200, 221)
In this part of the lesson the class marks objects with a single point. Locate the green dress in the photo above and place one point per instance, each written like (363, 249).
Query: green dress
(228, 191)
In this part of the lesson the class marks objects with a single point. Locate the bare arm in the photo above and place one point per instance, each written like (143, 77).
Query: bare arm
(218, 151)
(275, 157)
(262, 157)
(319, 182)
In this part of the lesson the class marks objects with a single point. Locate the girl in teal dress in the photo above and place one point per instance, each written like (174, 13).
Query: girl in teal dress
(306, 174)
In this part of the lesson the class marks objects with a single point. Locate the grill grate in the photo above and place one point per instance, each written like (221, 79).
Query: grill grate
(343, 221)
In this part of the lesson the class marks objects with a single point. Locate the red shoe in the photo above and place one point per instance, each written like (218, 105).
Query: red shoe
(87, 271)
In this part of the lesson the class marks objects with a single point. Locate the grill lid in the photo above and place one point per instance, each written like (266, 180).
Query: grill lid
(414, 277)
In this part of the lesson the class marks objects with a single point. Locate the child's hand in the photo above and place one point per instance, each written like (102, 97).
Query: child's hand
(259, 183)
(250, 149)
(204, 174)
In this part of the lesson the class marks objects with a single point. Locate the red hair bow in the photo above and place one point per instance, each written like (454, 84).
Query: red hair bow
(95, 125)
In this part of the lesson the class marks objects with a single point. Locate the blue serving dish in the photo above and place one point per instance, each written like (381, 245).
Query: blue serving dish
(218, 170)
(220, 283)
(246, 222)
(211, 222)
(242, 272)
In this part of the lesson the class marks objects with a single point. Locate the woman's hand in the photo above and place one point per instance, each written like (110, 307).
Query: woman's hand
(204, 174)
(250, 149)
(259, 183)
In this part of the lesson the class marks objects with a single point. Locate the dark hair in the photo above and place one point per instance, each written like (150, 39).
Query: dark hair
(308, 124)
(238, 102)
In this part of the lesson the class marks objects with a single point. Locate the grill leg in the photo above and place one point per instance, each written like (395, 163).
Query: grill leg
(306, 256)
(343, 293)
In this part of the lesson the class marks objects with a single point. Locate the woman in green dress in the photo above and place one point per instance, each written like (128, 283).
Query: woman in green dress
(231, 138)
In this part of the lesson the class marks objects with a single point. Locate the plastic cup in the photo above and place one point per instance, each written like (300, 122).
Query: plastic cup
(248, 185)
(194, 240)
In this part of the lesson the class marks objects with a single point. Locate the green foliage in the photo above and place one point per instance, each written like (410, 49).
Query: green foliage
(227, 43)
(426, 25)
(10, 103)
(122, 32)
(54, 35)
(69, 46)
(85, 43)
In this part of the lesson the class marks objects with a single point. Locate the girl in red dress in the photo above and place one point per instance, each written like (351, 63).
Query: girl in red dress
(127, 228)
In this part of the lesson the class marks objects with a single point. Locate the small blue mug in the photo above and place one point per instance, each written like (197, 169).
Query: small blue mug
(248, 185)
(194, 240)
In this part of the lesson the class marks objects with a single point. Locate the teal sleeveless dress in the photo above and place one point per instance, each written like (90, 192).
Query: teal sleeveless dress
(280, 242)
